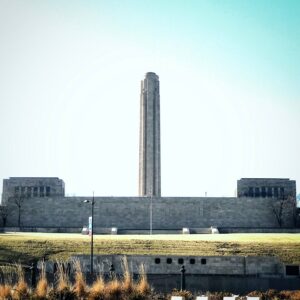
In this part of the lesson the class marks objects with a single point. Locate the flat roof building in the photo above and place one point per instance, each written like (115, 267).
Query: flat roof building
(32, 187)
(278, 188)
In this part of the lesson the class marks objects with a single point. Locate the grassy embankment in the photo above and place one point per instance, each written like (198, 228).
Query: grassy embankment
(23, 247)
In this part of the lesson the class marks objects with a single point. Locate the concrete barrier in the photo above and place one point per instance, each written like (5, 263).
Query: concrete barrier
(114, 230)
(185, 230)
(214, 230)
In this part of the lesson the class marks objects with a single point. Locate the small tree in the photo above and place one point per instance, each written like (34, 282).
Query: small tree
(3, 214)
(292, 204)
(283, 207)
(277, 209)
(19, 201)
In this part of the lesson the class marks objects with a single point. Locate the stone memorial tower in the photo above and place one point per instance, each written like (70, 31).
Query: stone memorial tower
(149, 163)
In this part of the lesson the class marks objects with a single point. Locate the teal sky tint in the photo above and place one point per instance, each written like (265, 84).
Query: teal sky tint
(230, 83)
(255, 41)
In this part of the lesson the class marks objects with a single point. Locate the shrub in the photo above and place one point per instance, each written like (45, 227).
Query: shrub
(80, 286)
(20, 290)
(218, 295)
(127, 282)
(290, 295)
(42, 287)
(63, 287)
(185, 294)
(142, 288)
(113, 290)
(271, 294)
(5, 291)
(97, 291)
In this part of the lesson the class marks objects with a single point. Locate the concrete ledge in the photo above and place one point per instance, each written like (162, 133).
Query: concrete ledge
(200, 230)
(147, 231)
(54, 230)
(102, 230)
(257, 230)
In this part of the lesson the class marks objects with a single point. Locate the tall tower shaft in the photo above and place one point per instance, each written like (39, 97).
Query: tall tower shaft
(149, 163)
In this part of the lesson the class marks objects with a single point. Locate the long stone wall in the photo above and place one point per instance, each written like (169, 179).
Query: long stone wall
(134, 212)
(204, 265)
(235, 274)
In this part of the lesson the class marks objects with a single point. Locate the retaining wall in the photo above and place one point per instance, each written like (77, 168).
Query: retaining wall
(134, 213)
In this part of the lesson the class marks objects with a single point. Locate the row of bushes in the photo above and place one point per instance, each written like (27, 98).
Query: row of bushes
(268, 295)
(64, 289)
(14, 286)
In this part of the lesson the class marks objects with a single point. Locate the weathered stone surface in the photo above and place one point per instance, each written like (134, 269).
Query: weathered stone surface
(134, 212)
(42, 203)
(205, 265)
(280, 188)
(149, 164)
(26, 187)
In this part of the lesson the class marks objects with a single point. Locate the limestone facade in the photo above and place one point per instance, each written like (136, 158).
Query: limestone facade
(133, 213)
(278, 188)
(204, 265)
(32, 187)
(42, 202)
(149, 154)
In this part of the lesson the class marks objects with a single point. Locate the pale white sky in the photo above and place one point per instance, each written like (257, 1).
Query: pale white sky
(70, 75)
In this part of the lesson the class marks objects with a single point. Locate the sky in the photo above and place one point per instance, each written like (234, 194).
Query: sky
(70, 74)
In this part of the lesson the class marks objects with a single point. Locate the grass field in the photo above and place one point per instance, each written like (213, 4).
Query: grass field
(24, 247)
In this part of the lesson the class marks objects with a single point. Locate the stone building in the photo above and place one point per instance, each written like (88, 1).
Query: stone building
(45, 207)
(149, 164)
(278, 188)
(32, 187)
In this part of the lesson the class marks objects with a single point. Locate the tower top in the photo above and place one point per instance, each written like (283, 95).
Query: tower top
(151, 74)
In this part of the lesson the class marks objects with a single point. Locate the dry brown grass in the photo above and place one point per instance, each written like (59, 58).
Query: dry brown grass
(276, 295)
(21, 289)
(124, 288)
(187, 295)
(113, 289)
(63, 283)
(80, 287)
(41, 290)
(6, 287)
(29, 246)
(97, 290)
(42, 287)
(5, 291)
(296, 295)
(143, 287)
(127, 284)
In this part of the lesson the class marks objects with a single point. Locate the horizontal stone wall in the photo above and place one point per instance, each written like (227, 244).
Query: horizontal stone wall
(201, 265)
(235, 274)
(259, 230)
(238, 285)
(134, 212)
